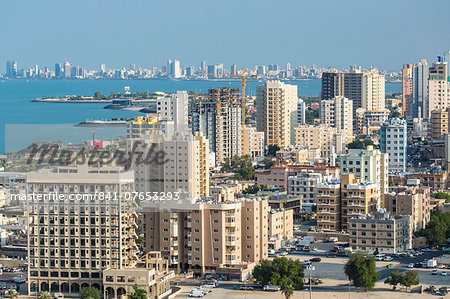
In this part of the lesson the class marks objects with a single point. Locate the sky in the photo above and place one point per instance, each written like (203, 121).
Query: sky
(385, 34)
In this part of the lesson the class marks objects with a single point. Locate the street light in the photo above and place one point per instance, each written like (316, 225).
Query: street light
(310, 268)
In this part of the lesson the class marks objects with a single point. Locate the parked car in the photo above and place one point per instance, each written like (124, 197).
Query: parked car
(209, 285)
(441, 266)
(3, 286)
(411, 265)
(444, 273)
(388, 259)
(246, 287)
(196, 293)
(434, 272)
(271, 288)
(212, 282)
(315, 259)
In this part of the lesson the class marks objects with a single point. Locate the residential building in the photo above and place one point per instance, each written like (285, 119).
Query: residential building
(332, 85)
(369, 122)
(353, 88)
(368, 165)
(174, 107)
(301, 112)
(410, 199)
(206, 235)
(281, 224)
(373, 91)
(381, 232)
(339, 201)
(322, 137)
(407, 88)
(277, 112)
(439, 123)
(254, 143)
(393, 140)
(304, 185)
(438, 93)
(74, 236)
(338, 113)
(184, 168)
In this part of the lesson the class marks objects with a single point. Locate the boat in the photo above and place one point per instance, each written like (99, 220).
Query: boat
(104, 123)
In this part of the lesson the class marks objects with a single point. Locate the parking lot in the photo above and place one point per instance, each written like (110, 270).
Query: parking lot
(335, 284)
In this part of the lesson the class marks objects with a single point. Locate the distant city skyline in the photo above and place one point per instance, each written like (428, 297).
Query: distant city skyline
(327, 33)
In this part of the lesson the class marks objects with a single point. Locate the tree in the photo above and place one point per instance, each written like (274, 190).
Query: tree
(280, 271)
(268, 163)
(410, 278)
(138, 293)
(44, 295)
(272, 150)
(360, 144)
(12, 293)
(241, 165)
(253, 189)
(287, 290)
(90, 293)
(394, 279)
(361, 270)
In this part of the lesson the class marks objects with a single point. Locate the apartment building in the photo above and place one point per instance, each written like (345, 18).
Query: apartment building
(254, 143)
(174, 107)
(304, 185)
(179, 164)
(380, 232)
(338, 113)
(277, 176)
(353, 87)
(142, 126)
(220, 120)
(373, 91)
(73, 237)
(369, 122)
(281, 224)
(368, 165)
(439, 123)
(419, 107)
(322, 137)
(407, 90)
(301, 112)
(329, 205)
(208, 234)
(438, 93)
(410, 199)
(393, 140)
(332, 85)
(277, 112)
(340, 200)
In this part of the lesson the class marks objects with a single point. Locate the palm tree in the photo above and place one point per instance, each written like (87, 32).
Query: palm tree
(44, 295)
(287, 290)
(12, 293)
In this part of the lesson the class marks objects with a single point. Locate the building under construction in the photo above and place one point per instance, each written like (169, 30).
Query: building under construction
(219, 118)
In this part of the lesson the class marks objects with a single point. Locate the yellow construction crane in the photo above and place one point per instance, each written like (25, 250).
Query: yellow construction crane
(243, 77)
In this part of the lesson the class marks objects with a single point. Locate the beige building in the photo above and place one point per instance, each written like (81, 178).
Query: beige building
(321, 137)
(438, 93)
(439, 123)
(254, 143)
(179, 164)
(338, 113)
(373, 91)
(281, 224)
(205, 234)
(339, 201)
(369, 122)
(410, 199)
(277, 112)
(380, 232)
(74, 238)
(368, 165)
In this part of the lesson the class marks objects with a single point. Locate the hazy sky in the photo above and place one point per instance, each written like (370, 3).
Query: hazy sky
(246, 32)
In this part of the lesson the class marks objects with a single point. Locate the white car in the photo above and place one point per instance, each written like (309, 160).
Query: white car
(441, 266)
(196, 293)
(444, 273)
(387, 259)
(411, 265)
(271, 288)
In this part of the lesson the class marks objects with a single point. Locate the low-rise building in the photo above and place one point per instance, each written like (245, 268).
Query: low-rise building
(304, 185)
(281, 223)
(380, 232)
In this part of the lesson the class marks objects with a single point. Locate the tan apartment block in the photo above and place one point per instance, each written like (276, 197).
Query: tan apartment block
(281, 224)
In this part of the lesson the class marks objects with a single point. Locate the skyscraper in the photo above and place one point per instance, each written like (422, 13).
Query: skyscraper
(234, 70)
(67, 69)
(407, 90)
(277, 112)
(332, 85)
(174, 107)
(204, 66)
(438, 94)
(173, 69)
(420, 89)
(8, 68)
(58, 71)
(373, 91)
(301, 112)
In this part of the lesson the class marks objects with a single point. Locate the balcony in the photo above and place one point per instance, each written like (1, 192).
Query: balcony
(230, 242)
